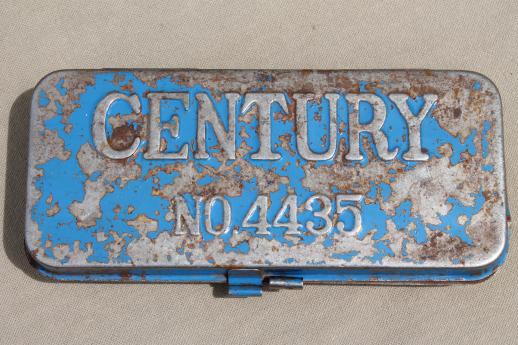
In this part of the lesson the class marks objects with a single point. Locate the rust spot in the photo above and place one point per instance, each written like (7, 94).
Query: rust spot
(125, 275)
(128, 86)
(443, 246)
(122, 137)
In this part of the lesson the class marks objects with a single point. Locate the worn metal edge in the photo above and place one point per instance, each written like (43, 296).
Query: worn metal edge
(358, 276)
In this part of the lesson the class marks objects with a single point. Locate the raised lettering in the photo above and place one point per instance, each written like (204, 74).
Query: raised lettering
(227, 215)
(263, 102)
(99, 126)
(414, 152)
(374, 127)
(353, 209)
(261, 205)
(323, 213)
(293, 226)
(207, 113)
(182, 215)
(302, 127)
(155, 126)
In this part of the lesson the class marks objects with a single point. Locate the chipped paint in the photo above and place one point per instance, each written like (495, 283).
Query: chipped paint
(439, 207)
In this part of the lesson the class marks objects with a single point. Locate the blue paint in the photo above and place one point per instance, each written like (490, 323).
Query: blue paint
(245, 291)
(404, 221)
(205, 180)
(385, 191)
(488, 167)
(347, 256)
(434, 136)
(59, 86)
(44, 100)
(242, 247)
(383, 250)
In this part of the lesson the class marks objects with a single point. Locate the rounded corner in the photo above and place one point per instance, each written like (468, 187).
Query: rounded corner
(484, 78)
(40, 85)
(48, 76)
(497, 259)
(37, 260)
(42, 263)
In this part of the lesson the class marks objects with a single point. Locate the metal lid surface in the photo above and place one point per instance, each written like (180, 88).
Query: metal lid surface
(265, 169)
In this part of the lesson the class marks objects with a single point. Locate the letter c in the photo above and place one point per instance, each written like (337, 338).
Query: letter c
(99, 126)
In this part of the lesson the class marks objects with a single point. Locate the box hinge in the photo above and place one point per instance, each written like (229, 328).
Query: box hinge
(245, 282)
(250, 282)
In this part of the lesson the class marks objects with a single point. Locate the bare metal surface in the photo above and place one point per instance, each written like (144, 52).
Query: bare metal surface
(285, 283)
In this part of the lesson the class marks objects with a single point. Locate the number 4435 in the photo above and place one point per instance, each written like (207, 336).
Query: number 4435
(289, 210)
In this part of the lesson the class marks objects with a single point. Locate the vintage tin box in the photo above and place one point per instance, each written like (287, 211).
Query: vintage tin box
(266, 178)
